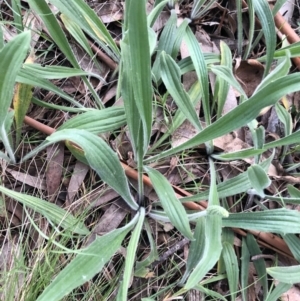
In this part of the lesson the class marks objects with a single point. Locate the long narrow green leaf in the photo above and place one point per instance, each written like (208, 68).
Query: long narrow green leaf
(289, 274)
(58, 107)
(17, 13)
(51, 211)
(130, 256)
(258, 179)
(57, 72)
(97, 121)
(285, 200)
(232, 268)
(87, 19)
(208, 292)
(239, 27)
(173, 208)
(293, 49)
(241, 115)
(211, 253)
(42, 9)
(141, 269)
(249, 152)
(265, 16)
(80, 37)
(21, 103)
(26, 77)
(12, 56)
(201, 70)
(101, 158)
(86, 264)
(251, 14)
(276, 220)
(186, 64)
(243, 154)
(226, 74)
(278, 291)
(170, 74)
(196, 248)
(222, 86)
(293, 243)
(179, 117)
(153, 15)
(140, 74)
(133, 117)
(230, 187)
(245, 262)
(281, 70)
(259, 264)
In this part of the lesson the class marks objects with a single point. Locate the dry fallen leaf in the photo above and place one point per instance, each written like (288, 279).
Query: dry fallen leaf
(55, 157)
(78, 175)
(249, 73)
(25, 178)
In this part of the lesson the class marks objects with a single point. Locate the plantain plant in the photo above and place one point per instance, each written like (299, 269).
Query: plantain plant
(148, 63)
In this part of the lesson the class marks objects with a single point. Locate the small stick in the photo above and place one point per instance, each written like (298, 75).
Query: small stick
(178, 246)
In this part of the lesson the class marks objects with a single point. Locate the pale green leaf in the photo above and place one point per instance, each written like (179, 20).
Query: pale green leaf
(86, 18)
(280, 71)
(141, 269)
(133, 117)
(293, 191)
(196, 248)
(43, 10)
(26, 77)
(231, 186)
(211, 252)
(278, 291)
(58, 107)
(140, 69)
(80, 37)
(87, 264)
(232, 268)
(173, 208)
(51, 211)
(258, 179)
(259, 263)
(201, 70)
(131, 256)
(153, 15)
(227, 76)
(222, 85)
(12, 57)
(293, 243)
(170, 75)
(265, 16)
(101, 158)
(186, 64)
(275, 220)
(241, 115)
(97, 121)
(289, 274)
(243, 154)
(21, 101)
(283, 200)
(245, 263)
(57, 72)
(286, 119)
(179, 117)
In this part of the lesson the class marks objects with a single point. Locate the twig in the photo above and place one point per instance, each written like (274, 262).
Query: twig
(265, 239)
(104, 57)
(178, 246)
